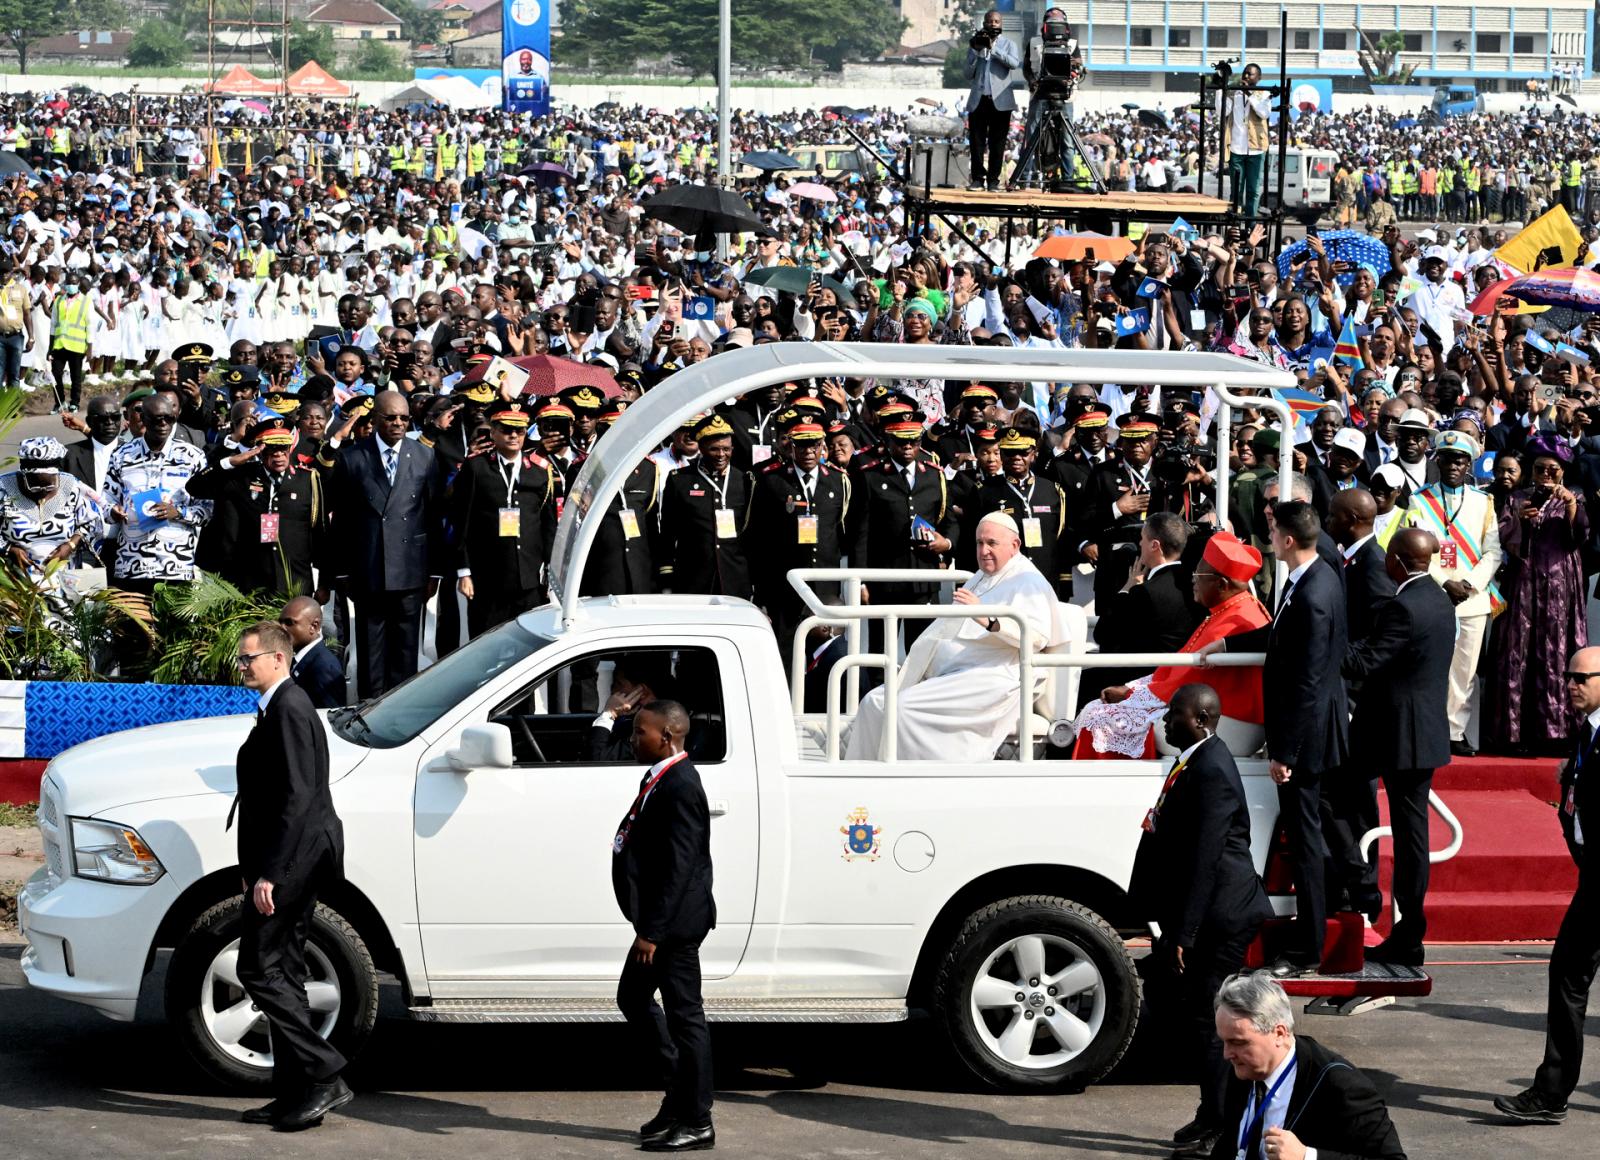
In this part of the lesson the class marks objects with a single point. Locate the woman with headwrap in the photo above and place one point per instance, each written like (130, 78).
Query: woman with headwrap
(1542, 529)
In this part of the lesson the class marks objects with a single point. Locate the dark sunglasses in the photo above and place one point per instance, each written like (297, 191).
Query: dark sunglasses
(1579, 678)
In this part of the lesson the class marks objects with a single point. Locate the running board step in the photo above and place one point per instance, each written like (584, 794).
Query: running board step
(734, 1010)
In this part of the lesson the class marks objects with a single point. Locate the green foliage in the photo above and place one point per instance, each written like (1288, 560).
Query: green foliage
(419, 25)
(955, 67)
(375, 58)
(48, 638)
(779, 34)
(197, 629)
(26, 22)
(22, 817)
(158, 44)
(308, 44)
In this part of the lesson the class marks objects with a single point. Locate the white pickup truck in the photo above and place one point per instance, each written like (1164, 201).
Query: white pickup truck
(478, 829)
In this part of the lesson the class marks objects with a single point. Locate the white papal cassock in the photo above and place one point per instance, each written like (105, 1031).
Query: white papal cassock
(960, 683)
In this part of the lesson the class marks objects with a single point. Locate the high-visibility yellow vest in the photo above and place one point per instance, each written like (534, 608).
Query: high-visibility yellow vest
(397, 158)
(1574, 172)
(475, 158)
(1474, 179)
(1447, 180)
(447, 157)
(23, 140)
(442, 240)
(69, 324)
(61, 142)
(510, 152)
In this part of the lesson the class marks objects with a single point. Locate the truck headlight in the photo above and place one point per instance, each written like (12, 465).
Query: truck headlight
(108, 852)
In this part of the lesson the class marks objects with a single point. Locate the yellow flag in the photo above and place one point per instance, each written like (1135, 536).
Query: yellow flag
(1554, 228)
(216, 154)
(138, 158)
(247, 163)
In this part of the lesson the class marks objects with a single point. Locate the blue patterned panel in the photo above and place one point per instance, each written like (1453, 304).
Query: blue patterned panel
(61, 714)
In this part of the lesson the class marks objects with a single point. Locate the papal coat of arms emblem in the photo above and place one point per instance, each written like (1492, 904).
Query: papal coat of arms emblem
(860, 837)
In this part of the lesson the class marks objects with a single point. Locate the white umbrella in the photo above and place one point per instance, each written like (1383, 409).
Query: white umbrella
(813, 191)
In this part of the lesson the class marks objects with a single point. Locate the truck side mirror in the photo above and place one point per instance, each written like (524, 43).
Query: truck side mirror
(482, 746)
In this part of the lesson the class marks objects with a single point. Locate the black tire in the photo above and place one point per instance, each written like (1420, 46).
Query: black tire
(336, 939)
(1091, 937)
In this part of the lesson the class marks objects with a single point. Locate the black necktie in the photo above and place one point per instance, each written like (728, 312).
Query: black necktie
(1283, 602)
(1258, 1125)
(261, 715)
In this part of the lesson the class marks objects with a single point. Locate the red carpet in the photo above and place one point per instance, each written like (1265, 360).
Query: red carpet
(19, 780)
(1512, 878)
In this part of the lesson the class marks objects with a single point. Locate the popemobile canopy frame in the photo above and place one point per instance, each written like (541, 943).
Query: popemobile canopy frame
(646, 424)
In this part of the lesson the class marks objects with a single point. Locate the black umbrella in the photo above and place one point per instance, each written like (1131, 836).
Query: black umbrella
(769, 160)
(12, 163)
(702, 209)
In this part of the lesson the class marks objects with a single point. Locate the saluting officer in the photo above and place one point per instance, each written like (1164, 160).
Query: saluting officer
(1038, 506)
(797, 521)
(1119, 498)
(622, 559)
(555, 444)
(704, 515)
(901, 518)
(957, 443)
(503, 508)
(276, 511)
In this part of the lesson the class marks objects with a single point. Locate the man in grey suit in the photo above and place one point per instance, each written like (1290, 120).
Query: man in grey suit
(385, 504)
(992, 61)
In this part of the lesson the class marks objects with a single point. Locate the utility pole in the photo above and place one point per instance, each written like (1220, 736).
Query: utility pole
(724, 67)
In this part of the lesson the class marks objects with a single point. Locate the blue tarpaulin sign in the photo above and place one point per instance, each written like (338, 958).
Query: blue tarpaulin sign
(525, 53)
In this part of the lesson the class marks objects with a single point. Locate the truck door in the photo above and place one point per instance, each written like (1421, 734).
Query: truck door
(514, 865)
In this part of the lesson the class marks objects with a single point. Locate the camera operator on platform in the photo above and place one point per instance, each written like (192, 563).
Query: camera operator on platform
(1052, 69)
(1248, 137)
(992, 62)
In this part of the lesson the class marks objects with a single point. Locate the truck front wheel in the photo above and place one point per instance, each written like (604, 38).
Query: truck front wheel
(1038, 993)
(223, 1030)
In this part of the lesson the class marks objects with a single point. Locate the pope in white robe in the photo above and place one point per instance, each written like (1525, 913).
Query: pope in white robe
(961, 683)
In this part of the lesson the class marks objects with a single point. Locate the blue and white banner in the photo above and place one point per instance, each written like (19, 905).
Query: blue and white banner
(525, 53)
(42, 718)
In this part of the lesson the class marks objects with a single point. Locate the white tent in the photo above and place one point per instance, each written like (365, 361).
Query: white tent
(456, 92)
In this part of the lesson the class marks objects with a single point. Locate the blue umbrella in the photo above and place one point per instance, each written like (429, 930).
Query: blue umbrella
(1351, 246)
(1406, 123)
(769, 160)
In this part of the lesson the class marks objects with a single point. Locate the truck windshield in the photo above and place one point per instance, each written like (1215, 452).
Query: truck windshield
(398, 715)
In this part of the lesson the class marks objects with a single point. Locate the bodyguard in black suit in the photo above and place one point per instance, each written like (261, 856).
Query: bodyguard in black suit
(103, 417)
(1307, 715)
(705, 515)
(1193, 877)
(314, 667)
(503, 515)
(385, 499)
(275, 508)
(1367, 586)
(290, 846)
(661, 873)
(1153, 612)
(1288, 1089)
(1576, 956)
(1400, 728)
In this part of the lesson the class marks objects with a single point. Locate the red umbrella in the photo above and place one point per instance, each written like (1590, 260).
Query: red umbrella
(1489, 298)
(549, 375)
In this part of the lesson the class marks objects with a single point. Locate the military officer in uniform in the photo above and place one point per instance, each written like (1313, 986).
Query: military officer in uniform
(1462, 519)
(503, 510)
(586, 404)
(797, 521)
(275, 508)
(622, 558)
(704, 517)
(966, 480)
(753, 422)
(901, 518)
(1119, 496)
(957, 444)
(1038, 506)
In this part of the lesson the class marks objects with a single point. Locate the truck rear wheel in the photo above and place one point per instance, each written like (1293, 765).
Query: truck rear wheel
(223, 1030)
(1036, 993)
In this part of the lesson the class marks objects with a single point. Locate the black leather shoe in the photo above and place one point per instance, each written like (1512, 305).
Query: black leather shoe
(266, 1113)
(318, 1102)
(1199, 1146)
(1462, 749)
(1291, 969)
(683, 1138)
(1531, 1106)
(658, 1127)
(1194, 1130)
(1395, 956)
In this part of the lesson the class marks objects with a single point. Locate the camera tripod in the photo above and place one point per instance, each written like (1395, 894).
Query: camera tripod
(1048, 142)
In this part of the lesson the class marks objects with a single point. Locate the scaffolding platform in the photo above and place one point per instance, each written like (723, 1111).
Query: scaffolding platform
(1091, 210)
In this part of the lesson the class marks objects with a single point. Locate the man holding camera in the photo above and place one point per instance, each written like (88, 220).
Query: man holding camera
(992, 61)
(1248, 138)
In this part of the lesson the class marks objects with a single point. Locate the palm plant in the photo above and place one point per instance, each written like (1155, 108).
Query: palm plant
(197, 627)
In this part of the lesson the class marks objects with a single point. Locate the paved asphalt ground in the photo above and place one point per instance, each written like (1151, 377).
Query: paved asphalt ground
(75, 1086)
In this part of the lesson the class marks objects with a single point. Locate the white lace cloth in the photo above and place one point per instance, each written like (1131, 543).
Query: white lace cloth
(1122, 728)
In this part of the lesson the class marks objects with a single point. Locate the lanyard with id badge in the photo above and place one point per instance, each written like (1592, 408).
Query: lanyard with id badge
(727, 528)
(1260, 1114)
(1032, 528)
(510, 516)
(269, 518)
(806, 525)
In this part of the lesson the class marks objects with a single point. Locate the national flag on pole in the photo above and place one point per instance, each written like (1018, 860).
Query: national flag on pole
(1347, 350)
(1302, 404)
